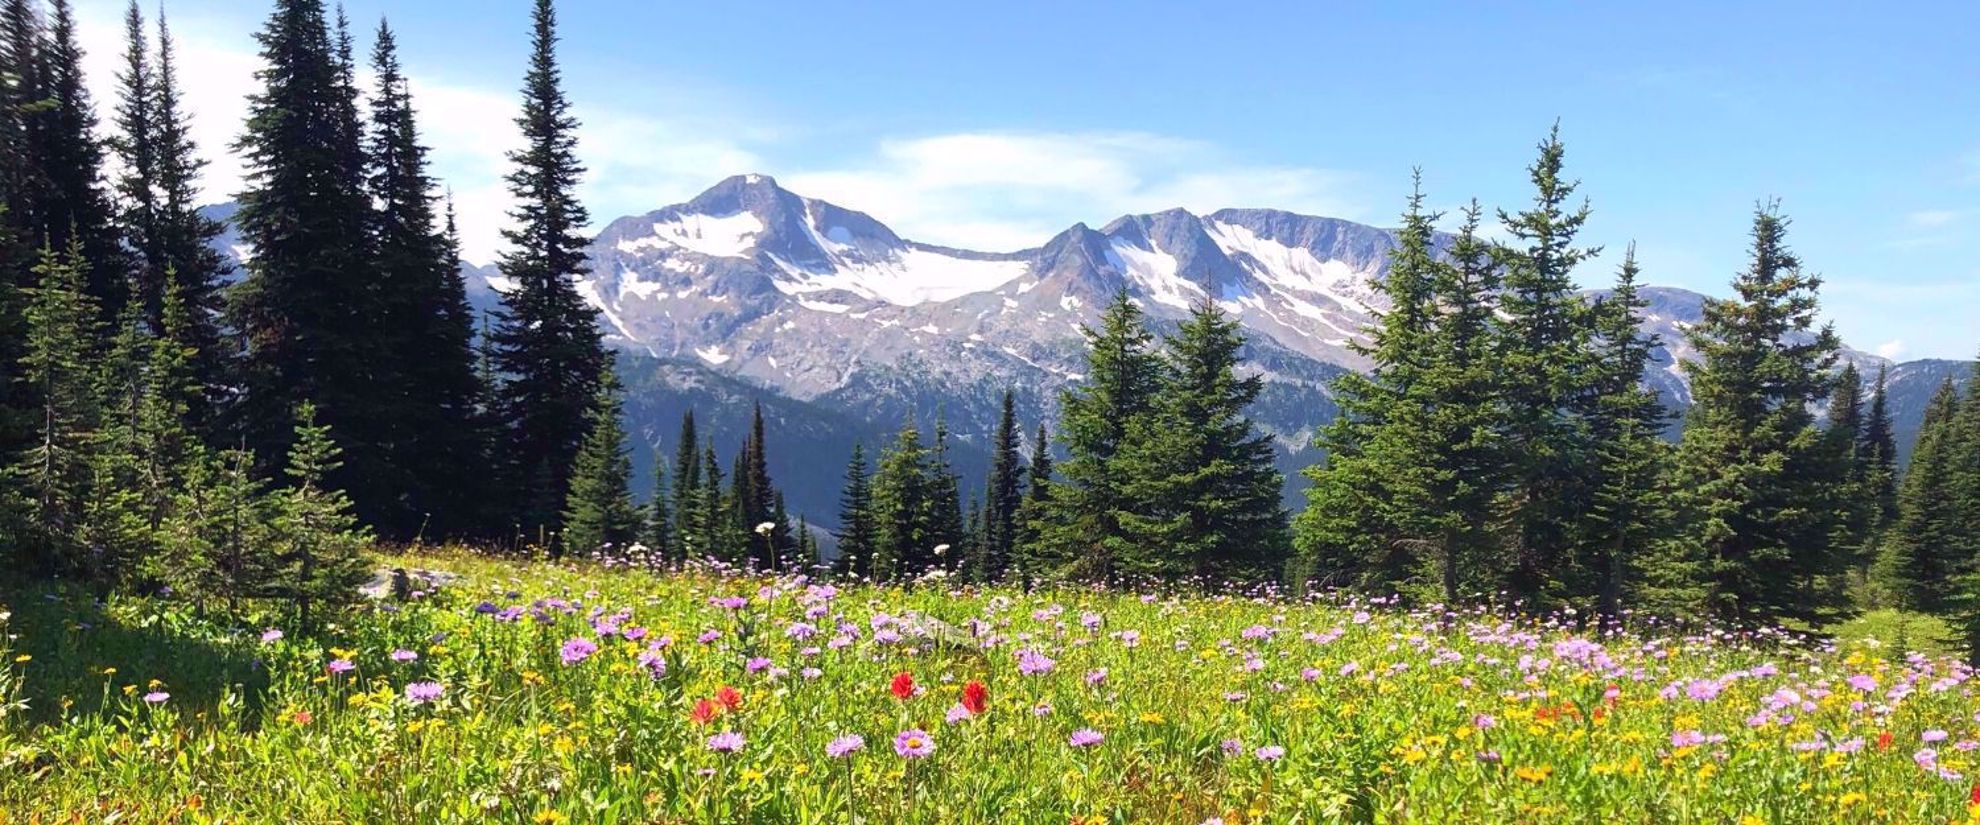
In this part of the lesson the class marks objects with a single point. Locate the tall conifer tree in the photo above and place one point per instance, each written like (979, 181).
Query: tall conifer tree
(547, 343)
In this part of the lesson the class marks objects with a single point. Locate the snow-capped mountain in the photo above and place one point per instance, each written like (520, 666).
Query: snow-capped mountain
(850, 328)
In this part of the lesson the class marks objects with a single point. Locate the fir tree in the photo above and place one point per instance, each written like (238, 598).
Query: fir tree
(1920, 558)
(1026, 560)
(547, 343)
(717, 523)
(1207, 492)
(1850, 470)
(599, 512)
(54, 474)
(903, 510)
(320, 557)
(186, 253)
(1347, 534)
(308, 308)
(1878, 449)
(70, 158)
(688, 529)
(1080, 534)
(658, 535)
(136, 146)
(1751, 464)
(437, 440)
(216, 538)
(946, 525)
(1545, 343)
(856, 528)
(1003, 494)
(1629, 505)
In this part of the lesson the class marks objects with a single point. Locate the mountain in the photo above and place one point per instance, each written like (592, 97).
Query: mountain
(844, 329)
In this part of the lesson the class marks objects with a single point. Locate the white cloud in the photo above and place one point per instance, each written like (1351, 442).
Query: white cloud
(1893, 349)
(1008, 190)
(1931, 218)
(984, 190)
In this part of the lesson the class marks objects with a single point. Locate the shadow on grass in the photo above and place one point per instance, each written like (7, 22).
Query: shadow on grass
(71, 639)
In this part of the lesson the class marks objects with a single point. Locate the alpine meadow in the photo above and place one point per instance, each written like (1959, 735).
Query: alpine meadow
(750, 509)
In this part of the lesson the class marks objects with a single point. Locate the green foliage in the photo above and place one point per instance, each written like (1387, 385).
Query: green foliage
(319, 556)
(858, 533)
(1002, 496)
(55, 473)
(599, 513)
(904, 511)
(1754, 469)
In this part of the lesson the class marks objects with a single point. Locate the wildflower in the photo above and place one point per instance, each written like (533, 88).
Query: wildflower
(1086, 738)
(1933, 736)
(914, 743)
(578, 649)
(844, 746)
(765, 528)
(301, 717)
(957, 714)
(1233, 747)
(156, 697)
(709, 636)
(1033, 663)
(1269, 753)
(727, 741)
(1863, 682)
(1484, 721)
(403, 655)
(704, 711)
(420, 693)
(340, 666)
(975, 697)
(730, 698)
(902, 686)
(1096, 676)
(270, 635)
(757, 665)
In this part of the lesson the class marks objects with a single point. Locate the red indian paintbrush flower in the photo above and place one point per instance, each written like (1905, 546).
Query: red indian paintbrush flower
(729, 697)
(975, 697)
(704, 711)
(1974, 797)
(903, 685)
(1884, 741)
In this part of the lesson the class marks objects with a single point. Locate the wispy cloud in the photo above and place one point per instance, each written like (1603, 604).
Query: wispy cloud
(1008, 190)
(1893, 349)
(1932, 218)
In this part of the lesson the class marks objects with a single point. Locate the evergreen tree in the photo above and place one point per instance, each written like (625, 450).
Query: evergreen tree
(116, 523)
(437, 439)
(1752, 462)
(216, 535)
(688, 529)
(1207, 493)
(1920, 554)
(807, 545)
(320, 557)
(1352, 532)
(70, 159)
(1545, 344)
(136, 146)
(719, 531)
(1025, 558)
(1081, 534)
(1630, 502)
(1850, 472)
(600, 511)
(1878, 449)
(658, 535)
(1003, 495)
(55, 472)
(308, 309)
(186, 255)
(903, 510)
(547, 343)
(946, 525)
(856, 527)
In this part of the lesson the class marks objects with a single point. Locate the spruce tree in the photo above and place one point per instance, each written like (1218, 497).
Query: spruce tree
(187, 255)
(437, 438)
(547, 342)
(1751, 464)
(1207, 493)
(658, 533)
(903, 510)
(1545, 350)
(717, 523)
(319, 559)
(1850, 469)
(856, 527)
(1026, 560)
(55, 473)
(136, 145)
(946, 525)
(1080, 534)
(599, 513)
(1629, 509)
(1919, 556)
(1003, 494)
(215, 540)
(308, 308)
(688, 529)
(1349, 534)
(70, 158)
(1878, 449)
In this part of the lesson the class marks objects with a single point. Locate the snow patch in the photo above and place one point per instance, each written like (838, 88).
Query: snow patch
(726, 236)
(1155, 271)
(908, 277)
(713, 355)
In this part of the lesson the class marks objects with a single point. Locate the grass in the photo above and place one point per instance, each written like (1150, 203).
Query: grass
(1205, 708)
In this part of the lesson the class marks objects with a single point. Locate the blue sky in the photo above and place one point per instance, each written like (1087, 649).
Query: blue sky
(996, 125)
